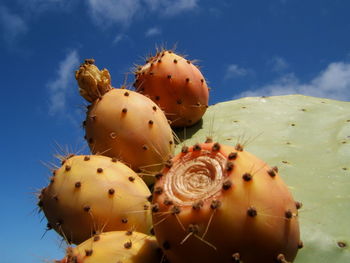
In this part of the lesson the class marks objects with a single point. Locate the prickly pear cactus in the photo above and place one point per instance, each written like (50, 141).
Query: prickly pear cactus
(176, 85)
(114, 247)
(223, 204)
(124, 124)
(309, 140)
(90, 194)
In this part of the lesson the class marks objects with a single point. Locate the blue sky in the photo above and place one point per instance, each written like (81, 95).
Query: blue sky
(244, 48)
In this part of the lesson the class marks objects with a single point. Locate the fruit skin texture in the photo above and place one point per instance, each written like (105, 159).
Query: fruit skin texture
(125, 124)
(223, 204)
(176, 85)
(114, 247)
(90, 194)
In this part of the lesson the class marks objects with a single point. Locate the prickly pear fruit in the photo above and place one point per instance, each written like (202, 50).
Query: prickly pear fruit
(176, 85)
(114, 247)
(124, 124)
(91, 194)
(223, 204)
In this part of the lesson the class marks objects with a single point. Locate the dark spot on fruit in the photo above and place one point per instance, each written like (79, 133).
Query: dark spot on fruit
(188, 62)
(168, 202)
(111, 191)
(300, 244)
(187, 80)
(239, 147)
(184, 149)
(97, 238)
(175, 61)
(293, 124)
(128, 245)
(251, 211)
(154, 108)
(229, 166)
(216, 147)
(166, 245)
(77, 185)
(145, 147)
(131, 178)
(236, 258)
(215, 204)
(197, 147)
(175, 210)
(247, 177)
(99, 170)
(124, 220)
(155, 208)
(86, 158)
(281, 259)
(298, 205)
(197, 205)
(129, 233)
(150, 122)
(179, 101)
(168, 164)
(86, 208)
(126, 93)
(158, 176)
(124, 110)
(159, 60)
(114, 160)
(88, 252)
(227, 185)
(68, 168)
(151, 73)
(171, 142)
(169, 76)
(232, 156)
(158, 190)
(288, 214)
(145, 207)
(271, 172)
(193, 228)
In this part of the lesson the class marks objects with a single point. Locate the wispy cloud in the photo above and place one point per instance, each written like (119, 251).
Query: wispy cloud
(333, 83)
(108, 12)
(59, 87)
(278, 64)
(13, 26)
(153, 31)
(234, 71)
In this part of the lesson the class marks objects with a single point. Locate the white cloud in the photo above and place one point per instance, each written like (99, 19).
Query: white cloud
(153, 31)
(13, 25)
(332, 83)
(108, 12)
(233, 71)
(59, 87)
(278, 64)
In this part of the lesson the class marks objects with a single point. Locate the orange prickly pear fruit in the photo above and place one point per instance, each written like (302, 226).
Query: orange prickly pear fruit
(124, 124)
(90, 194)
(176, 85)
(224, 205)
(114, 247)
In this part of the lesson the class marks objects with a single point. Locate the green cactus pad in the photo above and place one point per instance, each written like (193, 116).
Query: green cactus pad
(309, 140)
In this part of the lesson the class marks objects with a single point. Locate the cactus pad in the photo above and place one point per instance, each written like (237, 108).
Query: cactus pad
(309, 140)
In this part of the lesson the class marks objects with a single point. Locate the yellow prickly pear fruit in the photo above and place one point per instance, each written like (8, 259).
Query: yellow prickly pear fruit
(124, 124)
(90, 194)
(224, 205)
(114, 247)
(176, 85)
